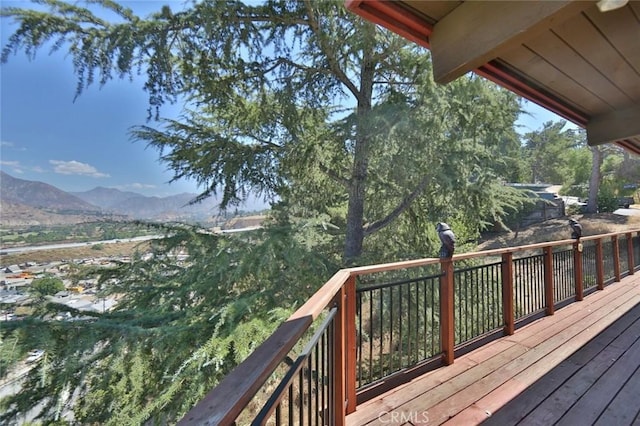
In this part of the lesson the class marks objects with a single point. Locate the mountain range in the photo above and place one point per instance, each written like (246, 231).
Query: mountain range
(25, 202)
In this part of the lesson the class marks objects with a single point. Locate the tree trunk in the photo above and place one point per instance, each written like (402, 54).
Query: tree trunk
(357, 184)
(355, 212)
(594, 180)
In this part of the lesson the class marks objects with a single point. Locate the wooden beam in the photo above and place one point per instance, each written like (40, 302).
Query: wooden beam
(477, 31)
(614, 126)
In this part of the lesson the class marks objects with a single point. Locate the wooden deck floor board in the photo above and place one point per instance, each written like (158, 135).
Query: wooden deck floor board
(535, 362)
(597, 397)
(624, 409)
(600, 353)
(588, 372)
(482, 382)
(425, 383)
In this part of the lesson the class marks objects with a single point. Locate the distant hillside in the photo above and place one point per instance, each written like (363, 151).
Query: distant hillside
(14, 215)
(138, 206)
(26, 203)
(105, 198)
(41, 195)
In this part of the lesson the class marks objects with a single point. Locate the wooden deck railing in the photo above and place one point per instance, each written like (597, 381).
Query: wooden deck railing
(369, 325)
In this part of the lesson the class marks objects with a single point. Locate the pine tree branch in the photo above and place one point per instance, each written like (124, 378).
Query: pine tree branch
(404, 204)
(333, 62)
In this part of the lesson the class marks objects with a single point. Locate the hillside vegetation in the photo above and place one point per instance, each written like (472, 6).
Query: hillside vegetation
(558, 229)
(550, 230)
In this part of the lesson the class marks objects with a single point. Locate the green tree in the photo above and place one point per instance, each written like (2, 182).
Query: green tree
(602, 182)
(629, 170)
(177, 330)
(337, 118)
(46, 286)
(579, 167)
(548, 151)
(621, 169)
(264, 82)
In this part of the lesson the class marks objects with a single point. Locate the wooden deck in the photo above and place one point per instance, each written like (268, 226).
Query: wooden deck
(580, 366)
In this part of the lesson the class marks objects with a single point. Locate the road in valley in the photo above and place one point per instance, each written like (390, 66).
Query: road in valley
(70, 245)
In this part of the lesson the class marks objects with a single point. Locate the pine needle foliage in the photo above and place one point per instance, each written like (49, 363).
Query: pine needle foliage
(289, 99)
(185, 317)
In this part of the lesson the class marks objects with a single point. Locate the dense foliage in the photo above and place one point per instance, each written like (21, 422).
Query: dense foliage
(46, 286)
(337, 120)
(178, 328)
(276, 89)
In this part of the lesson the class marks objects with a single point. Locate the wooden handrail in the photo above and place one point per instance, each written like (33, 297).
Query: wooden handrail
(223, 404)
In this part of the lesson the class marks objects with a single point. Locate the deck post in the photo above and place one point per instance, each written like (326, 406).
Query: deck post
(350, 370)
(616, 257)
(577, 270)
(630, 260)
(339, 355)
(599, 264)
(447, 324)
(507, 293)
(548, 281)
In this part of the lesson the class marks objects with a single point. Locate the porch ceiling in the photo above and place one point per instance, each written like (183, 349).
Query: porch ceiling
(567, 56)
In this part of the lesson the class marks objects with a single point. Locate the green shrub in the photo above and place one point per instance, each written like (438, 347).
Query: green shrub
(607, 200)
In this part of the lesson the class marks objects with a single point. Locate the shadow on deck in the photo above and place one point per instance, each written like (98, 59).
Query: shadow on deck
(578, 366)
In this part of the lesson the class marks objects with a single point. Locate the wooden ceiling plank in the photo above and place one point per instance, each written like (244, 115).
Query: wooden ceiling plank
(555, 51)
(589, 43)
(476, 32)
(622, 30)
(614, 126)
(545, 75)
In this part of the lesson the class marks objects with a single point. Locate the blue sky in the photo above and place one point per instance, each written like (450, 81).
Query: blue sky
(78, 145)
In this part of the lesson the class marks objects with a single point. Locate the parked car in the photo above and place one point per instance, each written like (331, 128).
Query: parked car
(35, 355)
(625, 202)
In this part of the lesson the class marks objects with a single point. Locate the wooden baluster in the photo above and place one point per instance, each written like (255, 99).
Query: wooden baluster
(339, 376)
(447, 325)
(630, 260)
(599, 265)
(507, 293)
(350, 288)
(577, 270)
(548, 281)
(616, 257)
